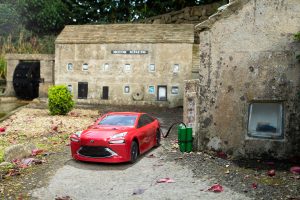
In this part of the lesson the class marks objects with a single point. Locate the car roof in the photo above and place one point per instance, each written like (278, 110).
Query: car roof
(125, 113)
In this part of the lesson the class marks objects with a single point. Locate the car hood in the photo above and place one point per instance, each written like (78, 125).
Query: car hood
(101, 132)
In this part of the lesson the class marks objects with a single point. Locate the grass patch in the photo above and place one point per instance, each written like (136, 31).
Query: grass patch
(1, 155)
(2, 114)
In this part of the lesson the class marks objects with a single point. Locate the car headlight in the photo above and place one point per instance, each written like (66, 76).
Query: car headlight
(119, 135)
(76, 136)
(118, 138)
(78, 133)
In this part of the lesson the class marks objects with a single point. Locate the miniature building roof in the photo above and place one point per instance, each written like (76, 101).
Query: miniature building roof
(223, 12)
(127, 33)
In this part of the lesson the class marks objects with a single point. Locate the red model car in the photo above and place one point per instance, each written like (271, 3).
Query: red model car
(116, 137)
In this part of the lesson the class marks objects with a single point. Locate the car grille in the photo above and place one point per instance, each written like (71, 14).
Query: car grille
(95, 151)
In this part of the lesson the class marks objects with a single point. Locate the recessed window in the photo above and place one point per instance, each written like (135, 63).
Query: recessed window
(70, 67)
(70, 88)
(127, 67)
(126, 89)
(175, 68)
(82, 90)
(151, 89)
(85, 67)
(151, 68)
(106, 67)
(266, 120)
(174, 90)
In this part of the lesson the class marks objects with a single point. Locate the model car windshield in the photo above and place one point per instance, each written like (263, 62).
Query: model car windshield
(118, 120)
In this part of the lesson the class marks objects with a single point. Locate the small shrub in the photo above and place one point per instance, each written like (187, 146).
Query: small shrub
(60, 100)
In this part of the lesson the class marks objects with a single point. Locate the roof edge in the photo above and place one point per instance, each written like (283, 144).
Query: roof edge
(223, 12)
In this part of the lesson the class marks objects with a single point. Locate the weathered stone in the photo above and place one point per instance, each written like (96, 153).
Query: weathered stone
(258, 65)
(5, 164)
(18, 151)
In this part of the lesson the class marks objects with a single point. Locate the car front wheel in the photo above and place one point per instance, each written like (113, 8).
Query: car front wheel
(134, 151)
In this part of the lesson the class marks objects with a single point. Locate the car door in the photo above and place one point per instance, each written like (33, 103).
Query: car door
(144, 133)
(151, 130)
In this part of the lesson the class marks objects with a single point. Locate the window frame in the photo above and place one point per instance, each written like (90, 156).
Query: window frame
(251, 135)
(85, 69)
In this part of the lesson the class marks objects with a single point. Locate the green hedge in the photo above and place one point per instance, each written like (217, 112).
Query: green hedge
(60, 100)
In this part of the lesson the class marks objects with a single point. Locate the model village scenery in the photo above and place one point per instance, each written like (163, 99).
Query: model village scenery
(131, 99)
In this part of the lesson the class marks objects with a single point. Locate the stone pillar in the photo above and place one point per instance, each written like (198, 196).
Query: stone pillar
(191, 105)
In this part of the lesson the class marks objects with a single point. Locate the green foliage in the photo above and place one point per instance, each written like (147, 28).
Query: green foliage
(44, 16)
(9, 19)
(60, 100)
(1, 155)
(2, 66)
(297, 38)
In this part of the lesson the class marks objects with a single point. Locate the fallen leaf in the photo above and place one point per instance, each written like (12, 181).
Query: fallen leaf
(2, 129)
(216, 188)
(138, 191)
(151, 156)
(54, 127)
(222, 155)
(271, 172)
(63, 198)
(35, 152)
(165, 180)
(295, 170)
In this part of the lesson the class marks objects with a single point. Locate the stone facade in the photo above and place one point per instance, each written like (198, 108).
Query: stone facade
(125, 63)
(247, 59)
(46, 71)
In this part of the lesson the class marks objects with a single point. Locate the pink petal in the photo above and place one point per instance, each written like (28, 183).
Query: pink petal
(165, 180)
(216, 188)
(295, 170)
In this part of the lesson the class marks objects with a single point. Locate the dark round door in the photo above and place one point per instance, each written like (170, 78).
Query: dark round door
(26, 80)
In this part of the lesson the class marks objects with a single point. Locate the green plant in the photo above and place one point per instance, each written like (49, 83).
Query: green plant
(2, 67)
(60, 100)
(297, 38)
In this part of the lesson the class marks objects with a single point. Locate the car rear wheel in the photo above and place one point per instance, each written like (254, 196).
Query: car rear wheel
(134, 151)
(158, 137)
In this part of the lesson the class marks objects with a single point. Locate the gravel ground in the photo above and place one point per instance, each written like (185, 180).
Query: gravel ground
(194, 173)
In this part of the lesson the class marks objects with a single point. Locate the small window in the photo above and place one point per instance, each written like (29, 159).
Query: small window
(151, 89)
(106, 67)
(105, 91)
(174, 90)
(127, 67)
(70, 67)
(85, 67)
(70, 88)
(266, 120)
(175, 68)
(151, 68)
(126, 89)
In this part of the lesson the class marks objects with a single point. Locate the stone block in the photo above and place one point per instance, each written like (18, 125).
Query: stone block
(18, 151)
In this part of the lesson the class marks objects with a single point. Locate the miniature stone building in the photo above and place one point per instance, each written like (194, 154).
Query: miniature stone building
(245, 100)
(125, 63)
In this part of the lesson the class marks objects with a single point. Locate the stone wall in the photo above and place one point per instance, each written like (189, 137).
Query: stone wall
(188, 15)
(46, 71)
(247, 54)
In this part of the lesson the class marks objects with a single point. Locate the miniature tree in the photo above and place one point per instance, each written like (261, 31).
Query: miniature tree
(60, 100)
